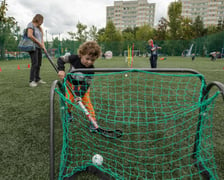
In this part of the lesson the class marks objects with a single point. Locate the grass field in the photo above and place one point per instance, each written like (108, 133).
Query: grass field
(24, 114)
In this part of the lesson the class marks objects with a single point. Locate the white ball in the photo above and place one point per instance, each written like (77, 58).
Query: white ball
(126, 75)
(97, 159)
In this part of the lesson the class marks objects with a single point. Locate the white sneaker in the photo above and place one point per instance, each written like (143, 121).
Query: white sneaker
(41, 82)
(33, 84)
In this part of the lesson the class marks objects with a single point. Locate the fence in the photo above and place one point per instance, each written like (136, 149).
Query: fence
(200, 47)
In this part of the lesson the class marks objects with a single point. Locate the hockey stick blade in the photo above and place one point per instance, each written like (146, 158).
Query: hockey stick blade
(109, 133)
(104, 132)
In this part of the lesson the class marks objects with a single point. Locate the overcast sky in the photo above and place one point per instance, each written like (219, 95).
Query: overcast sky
(61, 16)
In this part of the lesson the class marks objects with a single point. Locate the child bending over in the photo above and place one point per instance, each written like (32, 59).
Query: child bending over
(88, 52)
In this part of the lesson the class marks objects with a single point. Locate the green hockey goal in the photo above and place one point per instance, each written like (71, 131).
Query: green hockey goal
(165, 116)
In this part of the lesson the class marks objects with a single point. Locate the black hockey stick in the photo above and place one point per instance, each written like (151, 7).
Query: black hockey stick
(104, 132)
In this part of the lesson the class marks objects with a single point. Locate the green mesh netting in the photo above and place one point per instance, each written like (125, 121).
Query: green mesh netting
(159, 115)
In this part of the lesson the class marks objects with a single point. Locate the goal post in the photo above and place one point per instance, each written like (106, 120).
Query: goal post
(165, 116)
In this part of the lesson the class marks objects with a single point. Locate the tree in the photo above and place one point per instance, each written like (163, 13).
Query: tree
(198, 27)
(211, 29)
(144, 33)
(186, 29)
(111, 38)
(100, 34)
(8, 31)
(81, 35)
(222, 25)
(111, 34)
(219, 25)
(161, 32)
(93, 33)
(128, 34)
(174, 13)
(72, 35)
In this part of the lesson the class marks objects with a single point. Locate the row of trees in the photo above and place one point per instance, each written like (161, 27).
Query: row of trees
(174, 30)
(8, 31)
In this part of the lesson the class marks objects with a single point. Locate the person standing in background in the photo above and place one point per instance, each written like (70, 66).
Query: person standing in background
(153, 50)
(35, 33)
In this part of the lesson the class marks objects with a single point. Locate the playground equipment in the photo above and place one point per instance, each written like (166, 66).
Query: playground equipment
(166, 118)
(129, 55)
(187, 52)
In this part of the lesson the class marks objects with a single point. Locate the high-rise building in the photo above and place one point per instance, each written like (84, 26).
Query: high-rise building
(132, 14)
(211, 11)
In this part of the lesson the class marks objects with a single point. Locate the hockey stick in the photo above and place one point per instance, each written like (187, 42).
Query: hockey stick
(104, 132)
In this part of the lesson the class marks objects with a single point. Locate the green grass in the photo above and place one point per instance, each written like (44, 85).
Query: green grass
(24, 114)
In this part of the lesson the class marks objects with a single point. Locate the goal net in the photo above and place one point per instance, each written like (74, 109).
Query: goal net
(166, 120)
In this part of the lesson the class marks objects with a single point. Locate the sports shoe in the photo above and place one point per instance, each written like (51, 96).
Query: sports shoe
(41, 82)
(33, 84)
(92, 128)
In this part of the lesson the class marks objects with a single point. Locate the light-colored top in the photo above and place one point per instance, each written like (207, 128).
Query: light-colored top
(37, 33)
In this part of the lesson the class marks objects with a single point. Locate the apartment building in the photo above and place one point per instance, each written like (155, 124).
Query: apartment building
(132, 14)
(211, 11)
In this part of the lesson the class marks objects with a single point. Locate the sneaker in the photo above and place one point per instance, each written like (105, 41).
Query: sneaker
(41, 82)
(33, 84)
(92, 129)
(70, 117)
